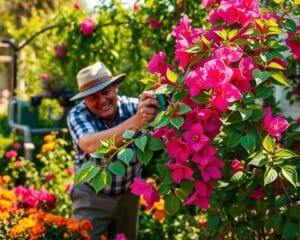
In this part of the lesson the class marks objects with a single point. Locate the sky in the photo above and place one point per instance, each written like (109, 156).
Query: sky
(92, 3)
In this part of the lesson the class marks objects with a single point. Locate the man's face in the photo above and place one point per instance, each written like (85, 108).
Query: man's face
(104, 103)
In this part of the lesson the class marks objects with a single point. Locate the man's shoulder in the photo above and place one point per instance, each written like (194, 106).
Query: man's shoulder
(78, 108)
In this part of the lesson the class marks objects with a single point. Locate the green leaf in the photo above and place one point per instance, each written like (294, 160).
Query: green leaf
(141, 142)
(117, 168)
(248, 97)
(280, 79)
(177, 122)
(252, 32)
(257, 114)
(163, 170)
(187, 186)
(97, 155)
(184, 109)
(161, 120)
(172, 77)
(128, 134)
(193, 49)
(163, 189)
(263, 92)
(155, 144)
(145, 157)
(275, 65)
(270, 175)
(201, 98)
(260, 76)
(290, 174)
(248, 142)
(269, 144)
(102, 179)
(164, 89)
(179, 95)
(290, 231)
(233, 140)
(213, 221)
(125, 155)
(289, 24)
(238, 176)
(181, 194)
(92, 173)
(285, 153)
(245, 114)
(172, 204)
(259, 160)
(83, 172)
(266, 57)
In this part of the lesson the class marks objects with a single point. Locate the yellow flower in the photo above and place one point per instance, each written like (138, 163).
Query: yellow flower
(6, 178)
(47, 147)
(278, 1)
(64, 130)
(73, 153)
(297, 2)
(159, 205)
(38, 156)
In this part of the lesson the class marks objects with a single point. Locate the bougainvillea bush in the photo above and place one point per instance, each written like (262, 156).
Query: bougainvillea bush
(225, 149)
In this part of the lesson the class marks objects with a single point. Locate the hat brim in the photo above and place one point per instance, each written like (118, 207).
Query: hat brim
(117, 79)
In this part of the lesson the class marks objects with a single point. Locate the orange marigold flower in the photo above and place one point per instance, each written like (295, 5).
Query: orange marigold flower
(103, 237)
(49, 138)
(37, 230)
(73, 226)
(6, 179)
(47, 147)
(85, 234)
(86, 224)
(159, 215)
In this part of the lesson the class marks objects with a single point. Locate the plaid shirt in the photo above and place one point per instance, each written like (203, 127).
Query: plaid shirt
(82, 121)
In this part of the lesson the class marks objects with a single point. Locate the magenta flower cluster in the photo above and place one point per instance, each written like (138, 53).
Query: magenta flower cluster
(31, 198)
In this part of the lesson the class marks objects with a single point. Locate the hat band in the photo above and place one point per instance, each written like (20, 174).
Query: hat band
(94, 83)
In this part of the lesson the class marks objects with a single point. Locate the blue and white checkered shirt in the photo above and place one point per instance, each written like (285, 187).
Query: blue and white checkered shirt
(82, 121)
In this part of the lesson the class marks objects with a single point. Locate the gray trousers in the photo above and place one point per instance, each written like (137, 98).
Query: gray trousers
(109, 215)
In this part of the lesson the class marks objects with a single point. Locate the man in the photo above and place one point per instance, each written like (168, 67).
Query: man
(101, 115)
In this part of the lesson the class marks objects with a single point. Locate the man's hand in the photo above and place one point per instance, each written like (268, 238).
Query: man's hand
(148, 107)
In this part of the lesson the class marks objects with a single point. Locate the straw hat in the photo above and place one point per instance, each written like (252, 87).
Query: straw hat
(95, 78)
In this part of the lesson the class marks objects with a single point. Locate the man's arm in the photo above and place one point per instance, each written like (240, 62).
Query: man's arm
(146, 112)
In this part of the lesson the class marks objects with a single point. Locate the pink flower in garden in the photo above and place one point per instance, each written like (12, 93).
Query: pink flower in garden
(274, 125)
(120, 236)
(158, 65)
(17, 145)
(60, 50)
(46, 197)
(246, 67)
(236, 166)
(136, 6)
(153, 23)
(68, 187)
(50, 177)
(87, 26)
(19, 163)
(179, 150)
(195, 137)
(180, 171)
(293, 42)
(240, 82)
(201, 195)
(195, 80)
(204, 155)
(149, 192)
(211, 169)
(44, 76)
(223, 95)
(70, 171)
(217, 73)
(11, 154)
(76, 5)
(228, 54)
(258, 193)
(211, 122)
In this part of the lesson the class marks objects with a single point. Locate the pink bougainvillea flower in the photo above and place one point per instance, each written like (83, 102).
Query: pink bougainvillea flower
(70, 171)
(201, 195)
(87, 26)
(223, 95)
(211, 122)
(60, 50)
(149, 192)
(242, 84)
(179, 150)
(180, 171)
(236, 166)
(211, 169)
(153, 23)
(44, 76)
(136, 6)
(68, 187)
(120, 236)
(195, 137)
(11, 154)
(181, 55)
(158, 65)
(293, 42)
(76, 5)
(17, 145)
(50, 177)
(204, 155)
(195, 80)
(258, 193)
(228, 54)
(246, 67)
(274, 125)
(217, 73)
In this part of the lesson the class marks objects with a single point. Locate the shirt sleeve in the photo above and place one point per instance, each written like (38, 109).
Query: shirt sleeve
(80, 123)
